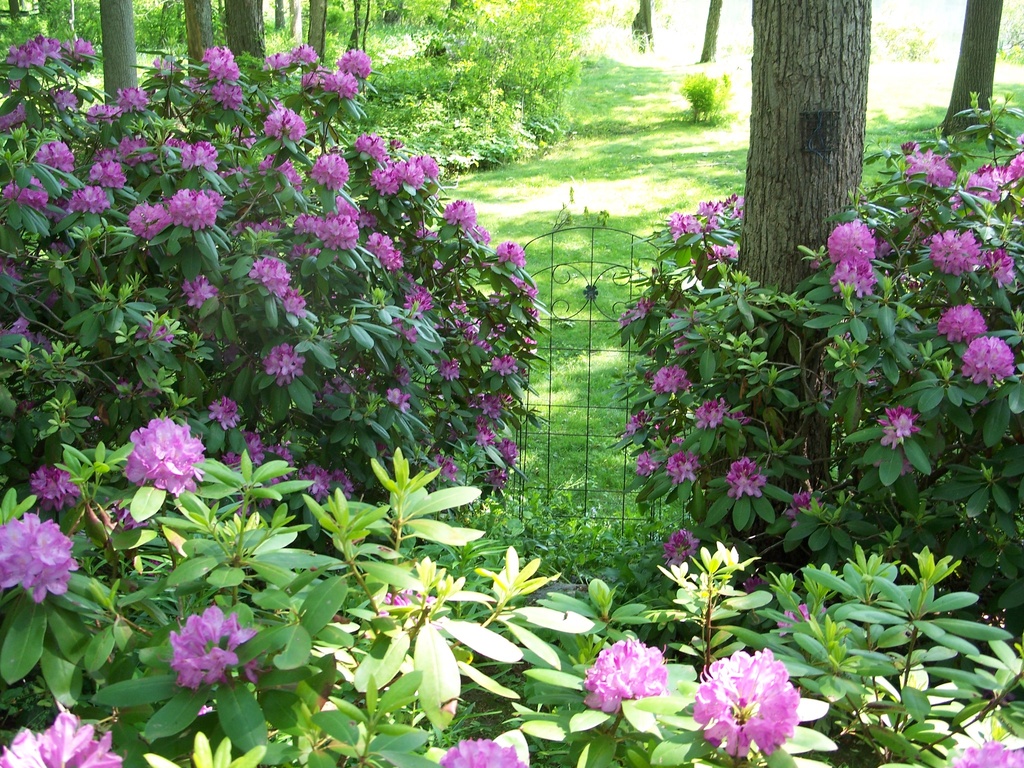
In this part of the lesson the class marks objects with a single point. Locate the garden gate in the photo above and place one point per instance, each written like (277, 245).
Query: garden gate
(586, 278)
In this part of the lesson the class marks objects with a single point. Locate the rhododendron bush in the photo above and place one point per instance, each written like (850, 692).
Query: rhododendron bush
(235, 251)
(878, 403)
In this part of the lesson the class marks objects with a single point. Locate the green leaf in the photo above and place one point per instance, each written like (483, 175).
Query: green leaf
(556, 678)
(442, 533)
(643, 721)
(808, 739)
(191, 570)
(146, 502)
(137, 691)
(400, 693)
(100, 646)
(392, 575)
(176, 715)
(322, 603)
(225, 578)
(446, 498)
(484, 641)
(543, 729)
(441, 682)
(23, 644)
(916, 703)
(241, 717)
(560, 621)
(487, 683)
(544, 651)
(599, 752)
(383, 662)
(891, 467)
(63, 678)
(297, 648)
(121, 539)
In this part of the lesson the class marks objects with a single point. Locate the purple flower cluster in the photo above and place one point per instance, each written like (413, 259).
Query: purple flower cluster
(987, 360)
(481, 753)
(744, 478)
(205, 647)
(165, 454)
(991, 754)
(711, 413)
(460, 213)
(747, 700)
(65, 744)
(897, 425)
(53, 488)
(851, 247)
(198, 291)
(934, 168)
(680, 547)
(961, 323)
(272, 275)
(383, 248)
(627, 670)
(225, 412)
(671, 378)
(509, 252)
(284, 123)
(284, 364)
(682, 466)
(36, 555)
(331, 171)
(221, 64)
(954, 253)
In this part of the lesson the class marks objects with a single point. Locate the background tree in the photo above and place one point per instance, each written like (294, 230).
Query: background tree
(360, 23)
(279, 15)
(643, 25)
(117, 26)
(198, 27)
(710, 48)
(976, 67)
(808, 110)
(295, 17)
(243, 25)
(317, 35)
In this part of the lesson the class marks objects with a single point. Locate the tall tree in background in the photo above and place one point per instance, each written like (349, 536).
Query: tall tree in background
(318, 26)
(243, 26)
(360, 22)
(279, 15)
(117, 27)
(198, 27)
(976, 67)
(643, 25)
(710, 48)
(295, 16)
(808, 110)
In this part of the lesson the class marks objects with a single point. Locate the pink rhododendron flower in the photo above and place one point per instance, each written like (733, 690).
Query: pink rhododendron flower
(670, 379)
(898, 424)
(448, 369)
(35, 554)
(711, 413)
(221, 63)
(682, 466)
(954, 253)
(225, 412)
(342, 83)
(988, 359)
(935, 169)
(229, 96)
(851, 240)
(991, 754)
(271, 274)
(56, 155)
(53, 488)
(194, 209)
(626, 670)
(744, 479)
(961, 323)
(460, 213)
(200, 155)
(284, 364)
(373, 146)
(645, 464)
(331, 171)
(132, 99)
(680, 547)
(165, 454)
(65, 744)
(205, 647)
(284, 123)
(147, 220)
(89, 199)
(108, 174)
(481, 753)
(680, 224)
(745, 701)
(513, 253)
(357, 63)
(1001, 265)
(198, 291)
(384, 249)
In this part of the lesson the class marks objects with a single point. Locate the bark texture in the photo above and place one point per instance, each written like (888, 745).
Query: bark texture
(243, 26)
(808, 106)
(295, 18)
(643, 26)
(318, 26)
(198, 27)
(976, 66)
(710, 49)
(117, 27)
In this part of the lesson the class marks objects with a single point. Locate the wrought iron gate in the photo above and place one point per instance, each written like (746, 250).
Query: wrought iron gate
(585, 277)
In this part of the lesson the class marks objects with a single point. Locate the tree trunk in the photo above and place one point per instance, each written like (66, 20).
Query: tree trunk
(243, 25)
(976, 67)
(643, 26)
(707, 55)
(353, 40)
(14, 6)
(279, 15)
(318, 26)
(808, 106)
(117, 27)
(198, 27)
(295, 11)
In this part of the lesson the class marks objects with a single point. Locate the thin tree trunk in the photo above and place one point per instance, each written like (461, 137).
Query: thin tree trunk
(14, 6)
(198, 27)
(366, 23)
(117, 26)
(976, 66)
(318, 25)
(279, 15)
(710, 49)
(643, 26)
(295, 10)
(353, 39)
(243, 25)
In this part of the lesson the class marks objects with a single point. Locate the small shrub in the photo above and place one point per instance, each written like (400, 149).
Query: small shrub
(708, 96)
(902, 42)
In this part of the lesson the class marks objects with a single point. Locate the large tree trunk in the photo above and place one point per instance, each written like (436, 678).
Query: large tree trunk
(295, 15)
(808, 106)
(198, 27)
(318, 26)
(117, 26)
(707, 54)
(976, 67)
(14, 7)
(643, 26)
(243, 25)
